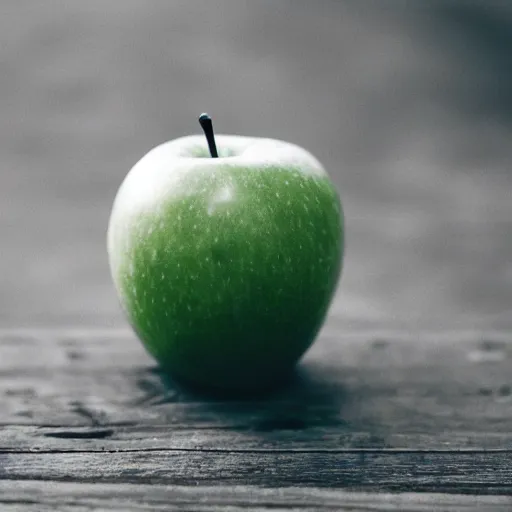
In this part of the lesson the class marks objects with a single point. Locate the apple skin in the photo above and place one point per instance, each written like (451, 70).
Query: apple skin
(226, 267)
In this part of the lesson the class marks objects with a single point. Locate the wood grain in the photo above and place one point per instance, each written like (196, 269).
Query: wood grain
(354, 390)
(366, 412)
(285, 436)
(42, 496)
(470, 472)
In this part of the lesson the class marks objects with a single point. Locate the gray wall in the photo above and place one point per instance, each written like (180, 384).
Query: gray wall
(408, 105)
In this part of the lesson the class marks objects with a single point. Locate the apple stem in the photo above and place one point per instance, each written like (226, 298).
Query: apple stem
(206, 124)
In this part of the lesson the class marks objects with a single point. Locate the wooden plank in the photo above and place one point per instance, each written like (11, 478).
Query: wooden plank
(67, 496)
(26, 439)
(366, 412)
(27, 496)
(354, 390)
(379, 470)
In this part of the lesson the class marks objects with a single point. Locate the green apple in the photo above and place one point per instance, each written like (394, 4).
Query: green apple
(225, 267)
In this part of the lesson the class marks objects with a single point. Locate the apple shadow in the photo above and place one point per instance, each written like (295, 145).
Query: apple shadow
(312, 396)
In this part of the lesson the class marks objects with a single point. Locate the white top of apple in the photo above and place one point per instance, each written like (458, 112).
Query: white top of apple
(157, 174)
(250, 152)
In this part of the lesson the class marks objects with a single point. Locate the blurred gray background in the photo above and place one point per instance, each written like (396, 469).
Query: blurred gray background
(407, 104)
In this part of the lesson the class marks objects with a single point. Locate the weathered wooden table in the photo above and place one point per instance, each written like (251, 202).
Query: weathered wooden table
(372, 421)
